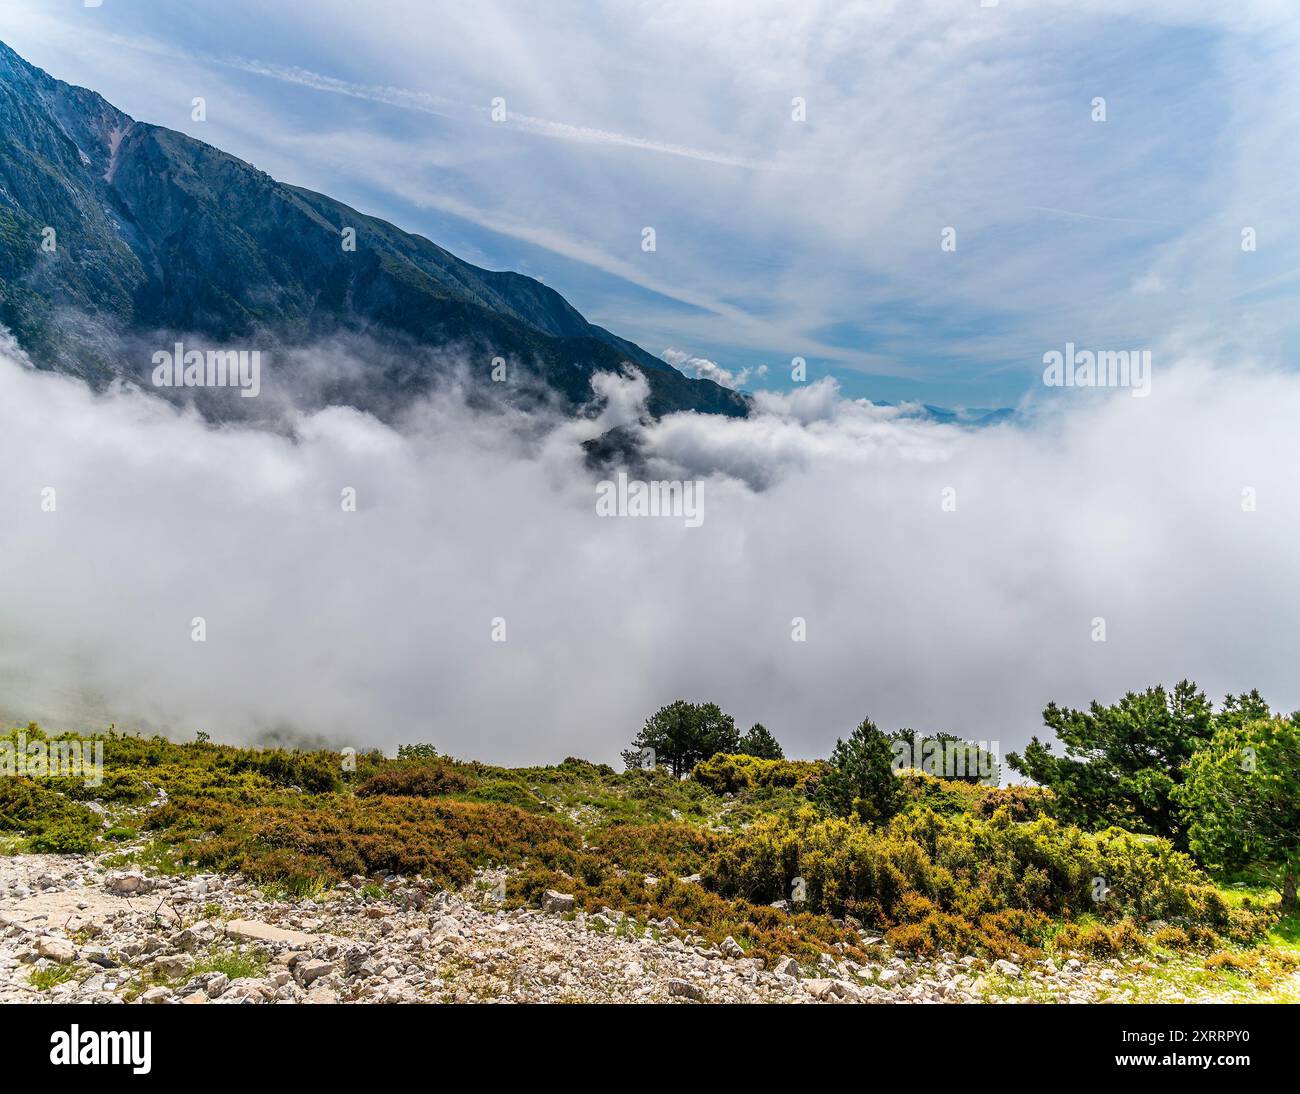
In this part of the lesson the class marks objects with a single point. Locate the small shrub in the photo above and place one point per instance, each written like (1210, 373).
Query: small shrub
(729, 774)
(236, 964)
(415, 780)
(54, 823)
(1227, 959)
(507, 792)
(302, 843)
(1100, 940)
(50, 976)
(62, 839)
(1022, 803)
(313, 772)
(1173, 938)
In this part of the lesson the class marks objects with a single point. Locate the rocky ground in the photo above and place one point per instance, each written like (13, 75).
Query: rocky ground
(72, 930)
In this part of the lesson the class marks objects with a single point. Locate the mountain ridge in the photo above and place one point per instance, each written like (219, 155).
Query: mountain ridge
(159, 236)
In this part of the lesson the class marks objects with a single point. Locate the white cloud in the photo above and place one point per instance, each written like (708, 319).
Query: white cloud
(373, 627)
(704, 369)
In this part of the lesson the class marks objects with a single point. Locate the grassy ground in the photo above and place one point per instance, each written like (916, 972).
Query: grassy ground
(963, 868)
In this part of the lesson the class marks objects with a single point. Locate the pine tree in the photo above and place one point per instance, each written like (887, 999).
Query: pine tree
(1122, 763)
(1242, 799)
(861, 781)
(760, 742)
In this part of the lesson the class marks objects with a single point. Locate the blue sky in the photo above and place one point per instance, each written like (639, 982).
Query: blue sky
(777, 238)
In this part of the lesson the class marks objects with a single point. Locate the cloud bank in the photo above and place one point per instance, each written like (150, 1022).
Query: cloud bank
(375, 627)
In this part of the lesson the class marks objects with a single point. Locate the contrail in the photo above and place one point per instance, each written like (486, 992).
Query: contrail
(448, 108)
(1091, 216)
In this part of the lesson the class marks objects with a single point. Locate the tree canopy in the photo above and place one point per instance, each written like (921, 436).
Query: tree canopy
(1122, 762)
(1242, 799)
(760, 742)
(681, 734)
(861, 781)
(945, 756)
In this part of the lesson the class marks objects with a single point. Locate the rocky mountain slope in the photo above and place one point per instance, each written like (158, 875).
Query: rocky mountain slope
(158, 237)
(144, 868)
(73, 930)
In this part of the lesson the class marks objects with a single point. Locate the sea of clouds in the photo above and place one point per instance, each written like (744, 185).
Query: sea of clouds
(374, 627)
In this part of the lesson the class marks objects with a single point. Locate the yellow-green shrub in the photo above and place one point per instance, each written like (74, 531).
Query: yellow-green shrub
(53, 823)
(729, 774)
(1099, 939)
(924, 866)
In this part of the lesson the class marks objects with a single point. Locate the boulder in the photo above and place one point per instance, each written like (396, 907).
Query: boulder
(731, 948)
(309, 971)
(57, 949)
(321, 995)
(173, 965)
(555, 902)
(250, 930)
(787, 966)
(824, 989)
(684, 989)
(128, 883)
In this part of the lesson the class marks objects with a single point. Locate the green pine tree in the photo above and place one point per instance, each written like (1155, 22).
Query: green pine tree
(1122, 763)
(760, 742)
(1242, 800)
(861, 781)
